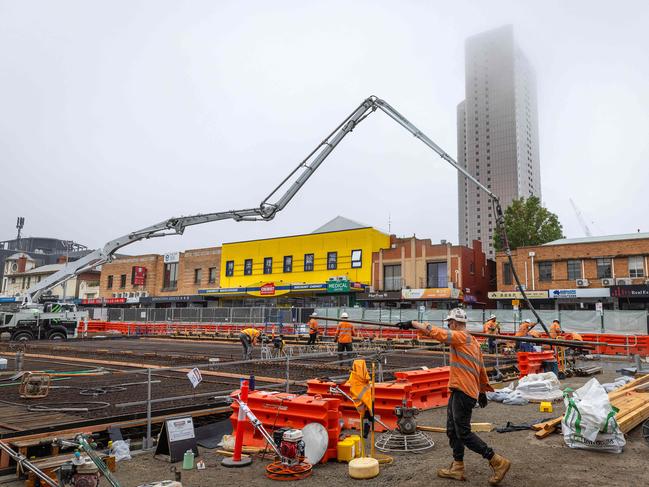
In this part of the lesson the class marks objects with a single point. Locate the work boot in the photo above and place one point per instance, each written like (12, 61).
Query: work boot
(455, 472)
(500, 465)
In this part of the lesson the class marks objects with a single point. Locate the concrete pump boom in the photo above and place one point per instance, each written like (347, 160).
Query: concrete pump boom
(266, 209)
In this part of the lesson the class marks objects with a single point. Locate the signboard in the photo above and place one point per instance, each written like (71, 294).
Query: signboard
(599, 307)
(380, 296)
(195, 377)
(431, 293)
(176, 437)
(516, 303)
(517, 295)
(138, 275)
(171, 257)
(338, 286)
(267, 289)
(174, 299)
(635, 291)
(93, 301)
(7, 300)
(223, 290)
(307, 287)
(602, 292)
(114, 300)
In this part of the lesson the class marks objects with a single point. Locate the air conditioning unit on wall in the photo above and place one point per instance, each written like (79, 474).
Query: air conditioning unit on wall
(623, 281)
(582, 283)
(608, 282)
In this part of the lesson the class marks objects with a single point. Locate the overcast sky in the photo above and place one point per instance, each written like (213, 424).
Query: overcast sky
(115, 115)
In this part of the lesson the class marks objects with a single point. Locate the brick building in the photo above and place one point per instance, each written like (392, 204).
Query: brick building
(162, 280)
(578, 273)
(414, 272)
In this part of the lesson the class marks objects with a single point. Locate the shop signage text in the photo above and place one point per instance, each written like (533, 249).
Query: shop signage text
(267, 289)
(602, 292)
(517, 295)
(338, 286)
(171, 257)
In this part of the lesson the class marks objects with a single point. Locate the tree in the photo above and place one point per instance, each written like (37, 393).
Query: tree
(528, 223)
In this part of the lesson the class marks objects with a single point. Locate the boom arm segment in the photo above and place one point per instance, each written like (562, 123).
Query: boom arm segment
(267, 209)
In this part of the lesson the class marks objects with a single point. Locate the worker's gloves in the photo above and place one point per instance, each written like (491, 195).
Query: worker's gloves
(482, 400)
(405, 325)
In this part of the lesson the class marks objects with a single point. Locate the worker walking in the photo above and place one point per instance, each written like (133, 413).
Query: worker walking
(492, 327)
(313, 329)
(344, 336)
(249, 338)
(467, 383)
(555, 329)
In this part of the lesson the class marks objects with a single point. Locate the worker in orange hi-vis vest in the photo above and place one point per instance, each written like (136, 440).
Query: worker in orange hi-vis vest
(249, 338)
(313, 329)
(344, 336)
(468, 384)
(491, 327)
(523, 331)
(574, 336)
(555, 329)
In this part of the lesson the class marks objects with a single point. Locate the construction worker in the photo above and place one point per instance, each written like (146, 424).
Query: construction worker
(344, 336)
(491, 327)
(467, 383)
(574, 336)
(313, 329)
(249, 338)
(523, 331)
(555, 329)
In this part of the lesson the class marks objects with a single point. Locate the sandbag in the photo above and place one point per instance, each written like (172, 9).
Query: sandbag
(589, 422)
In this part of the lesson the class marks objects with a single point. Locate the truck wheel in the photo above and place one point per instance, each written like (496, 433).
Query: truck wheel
(57, 335)
(22, 336)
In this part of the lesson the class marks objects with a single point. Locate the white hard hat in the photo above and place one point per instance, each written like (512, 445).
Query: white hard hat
(457, 314)
(344, 315)
(314, 314)
(492, 316)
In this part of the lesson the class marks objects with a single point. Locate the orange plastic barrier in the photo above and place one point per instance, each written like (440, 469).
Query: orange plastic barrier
(282, 410)
(428, 388)
(532, 362)
(388, 395)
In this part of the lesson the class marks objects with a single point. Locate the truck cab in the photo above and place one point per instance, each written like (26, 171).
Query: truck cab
(50, 321)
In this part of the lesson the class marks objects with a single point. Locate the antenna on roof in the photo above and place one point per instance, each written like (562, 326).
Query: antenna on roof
(20, 223)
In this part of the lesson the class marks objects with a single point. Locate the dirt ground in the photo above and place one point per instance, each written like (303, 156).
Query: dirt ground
(535, 462)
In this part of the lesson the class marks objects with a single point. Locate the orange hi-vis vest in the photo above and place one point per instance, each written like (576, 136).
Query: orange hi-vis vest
(468, 373)
(555, 330)
(492, 327)
(523, 328)
(313, 326)
(575, 336)
(252, 333)
(359, 386)
(344, 332)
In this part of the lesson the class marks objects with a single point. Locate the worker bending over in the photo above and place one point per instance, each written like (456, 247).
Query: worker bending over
(249, 337)
(523, 331)
(313, 329)
(492, 327)
(467, 383)
(344, 336)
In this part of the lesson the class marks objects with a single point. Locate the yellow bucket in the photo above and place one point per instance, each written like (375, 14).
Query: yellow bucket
(346, 450)
(357, 443)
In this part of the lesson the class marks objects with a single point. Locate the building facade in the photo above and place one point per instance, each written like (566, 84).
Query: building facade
(164, 280)
(580, 273)
(497, 127)
(326, 267)
(415, 272)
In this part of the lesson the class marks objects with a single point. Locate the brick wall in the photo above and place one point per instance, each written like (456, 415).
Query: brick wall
(619, 251)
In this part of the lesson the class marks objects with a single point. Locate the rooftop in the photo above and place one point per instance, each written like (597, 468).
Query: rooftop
(338, 224)
(603, 238)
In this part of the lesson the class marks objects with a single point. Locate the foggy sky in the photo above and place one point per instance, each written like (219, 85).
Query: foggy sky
(116, 115)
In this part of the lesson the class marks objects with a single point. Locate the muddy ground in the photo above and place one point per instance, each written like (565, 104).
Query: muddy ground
(535, 462)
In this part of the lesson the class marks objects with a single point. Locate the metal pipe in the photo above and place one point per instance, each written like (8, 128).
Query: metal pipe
(23, 462)
(149, 440)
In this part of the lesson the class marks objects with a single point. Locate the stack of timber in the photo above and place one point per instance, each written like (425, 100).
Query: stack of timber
(632, 401)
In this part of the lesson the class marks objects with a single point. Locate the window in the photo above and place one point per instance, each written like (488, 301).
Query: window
(574, 269)
(211, 275)
(198, 276)
(357, 259)
(392, 277)
(109, 284)
(170, 278)
(545, 271)
(636, 266)
(229, 268)
(268, 265)
(288, 263)
(332, 261)
(604, 268)
(436, 274)
(308, 262)
(247, 267)
(507, 273)
(122, 281)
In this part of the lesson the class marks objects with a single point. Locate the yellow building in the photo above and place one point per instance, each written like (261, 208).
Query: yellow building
(336, 259)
